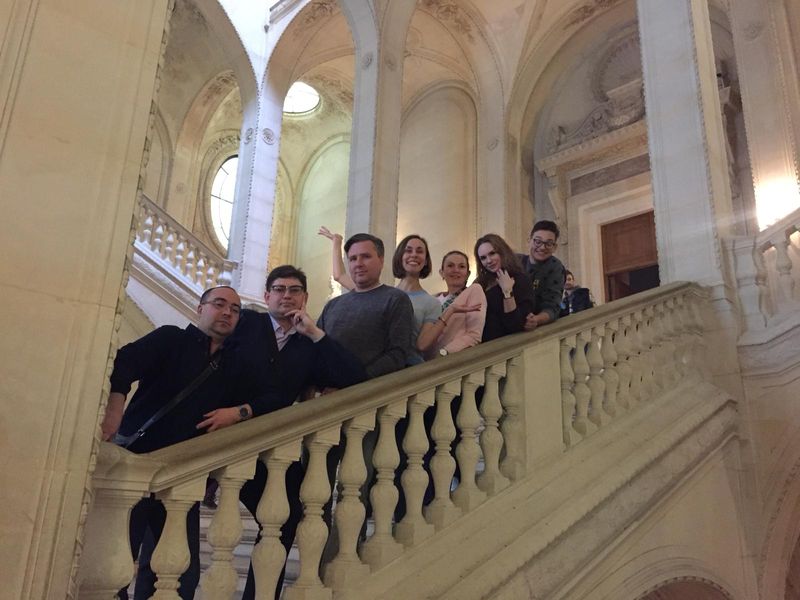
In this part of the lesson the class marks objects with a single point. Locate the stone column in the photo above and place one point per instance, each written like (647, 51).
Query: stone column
(767, 100)
(76, 83)
(380, 37)
(688, 156)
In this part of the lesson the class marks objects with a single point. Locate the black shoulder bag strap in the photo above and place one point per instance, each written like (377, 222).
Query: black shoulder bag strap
(125, 441)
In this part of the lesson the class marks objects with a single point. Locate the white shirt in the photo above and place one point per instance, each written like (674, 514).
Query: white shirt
(281, 336)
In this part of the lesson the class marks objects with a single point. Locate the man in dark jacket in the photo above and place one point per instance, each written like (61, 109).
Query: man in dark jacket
(546, 273)
(575, 298)
(201, 364)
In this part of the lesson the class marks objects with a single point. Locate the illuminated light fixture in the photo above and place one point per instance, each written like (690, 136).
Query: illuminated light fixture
(775, 199)
(301, 98)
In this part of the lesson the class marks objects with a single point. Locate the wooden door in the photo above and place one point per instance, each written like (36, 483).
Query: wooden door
(630, 258)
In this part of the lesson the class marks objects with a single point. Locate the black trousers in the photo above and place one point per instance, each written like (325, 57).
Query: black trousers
(147, 522)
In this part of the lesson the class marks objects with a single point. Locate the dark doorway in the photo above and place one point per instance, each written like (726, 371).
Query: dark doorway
(630, 259)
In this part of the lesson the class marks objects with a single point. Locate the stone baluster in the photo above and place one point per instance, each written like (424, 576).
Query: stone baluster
(147, 230)
(467, 495)
(171, 556)
(226, 274)
(189, 267)
(492, 480)
(623, 347)
(106, 563)
(684, 338)
(169, 246)
(269, 555)
(762, 276)
(312, 532)
(413, 528)
(211, 276)
(610, 373)
(635, 359)
(180, 255)
(653, 337)
(346, 569)
(382, 547)
(661, 319)
(158, 237)
(569, 412)
(597, 385)
(697, 327)
(783, 264)
(669, 370)
(200, 268)
(225, 531)
(647, 353)
(583, 395)
(513, 429)
(441, 511)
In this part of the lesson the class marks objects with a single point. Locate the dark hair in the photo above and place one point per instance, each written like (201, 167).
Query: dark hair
(567, 273)
(459, 252)
(286, 272)
(397, 260)
(364, 237)
(206, 293)
(545, 226)
(508, 260)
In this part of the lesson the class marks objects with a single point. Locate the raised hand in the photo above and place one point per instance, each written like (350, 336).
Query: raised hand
(505, 281)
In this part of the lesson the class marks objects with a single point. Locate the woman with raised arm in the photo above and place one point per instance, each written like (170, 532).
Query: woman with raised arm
(509, 291)
(338, 271)
(463, 315)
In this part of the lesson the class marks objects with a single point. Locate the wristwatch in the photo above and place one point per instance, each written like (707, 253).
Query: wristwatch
(443, 352)
(244, 413)
(508, 294)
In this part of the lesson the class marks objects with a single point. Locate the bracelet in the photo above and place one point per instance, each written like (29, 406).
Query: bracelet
(442, 320)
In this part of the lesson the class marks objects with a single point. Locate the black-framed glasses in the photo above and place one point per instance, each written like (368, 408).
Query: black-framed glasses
(539, 242)
(290, 290)
(221, 304)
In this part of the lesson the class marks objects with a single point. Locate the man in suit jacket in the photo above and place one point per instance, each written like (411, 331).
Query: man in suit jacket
(288, 348)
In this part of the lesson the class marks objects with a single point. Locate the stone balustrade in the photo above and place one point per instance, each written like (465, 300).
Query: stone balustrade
(767, 269)
(500, 401)
(166, 245)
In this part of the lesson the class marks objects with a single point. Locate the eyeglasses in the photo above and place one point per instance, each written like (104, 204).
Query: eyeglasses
(292, 290)
(539, 242)
(221, 304)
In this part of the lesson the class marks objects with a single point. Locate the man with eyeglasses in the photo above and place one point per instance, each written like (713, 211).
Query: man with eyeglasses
(546, 272)
(286, 345)
(200, 365)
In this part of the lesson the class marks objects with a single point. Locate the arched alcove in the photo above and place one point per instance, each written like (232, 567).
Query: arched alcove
(321, 199)
(438, 172)
(686, 590)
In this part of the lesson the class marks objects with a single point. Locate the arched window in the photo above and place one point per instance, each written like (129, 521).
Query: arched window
(300, 99)
(222, 190)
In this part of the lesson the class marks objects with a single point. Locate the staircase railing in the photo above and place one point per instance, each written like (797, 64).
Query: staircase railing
(543, 393)
(167, 247)
(767, 269)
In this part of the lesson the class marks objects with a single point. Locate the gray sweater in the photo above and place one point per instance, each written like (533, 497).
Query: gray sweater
(375, 326)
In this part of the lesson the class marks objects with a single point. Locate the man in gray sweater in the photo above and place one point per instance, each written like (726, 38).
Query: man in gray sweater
(374, 321)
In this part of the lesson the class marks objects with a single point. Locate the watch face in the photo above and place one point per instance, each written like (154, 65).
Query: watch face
(243, 414)
(443, 352)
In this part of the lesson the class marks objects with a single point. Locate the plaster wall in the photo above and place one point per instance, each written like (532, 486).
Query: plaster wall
(76, 154)
(695, 533)
(437, 176)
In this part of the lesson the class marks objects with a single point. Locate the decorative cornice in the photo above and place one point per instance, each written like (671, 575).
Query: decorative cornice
(314, 14)
(587, 11)
(448, 11)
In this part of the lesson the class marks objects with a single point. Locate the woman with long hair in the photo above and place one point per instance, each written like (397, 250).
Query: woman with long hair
(461, 323)
(509, 291)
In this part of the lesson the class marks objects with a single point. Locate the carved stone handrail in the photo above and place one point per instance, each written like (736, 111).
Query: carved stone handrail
(543, 394)
(767, 269)
(166, 245)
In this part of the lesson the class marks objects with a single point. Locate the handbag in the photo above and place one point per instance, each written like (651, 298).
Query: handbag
(124, 441)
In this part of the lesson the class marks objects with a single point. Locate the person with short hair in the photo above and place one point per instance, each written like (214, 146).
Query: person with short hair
(576, 298)
(546, 273)
(197, 361)
(509, 291)
(374, 321)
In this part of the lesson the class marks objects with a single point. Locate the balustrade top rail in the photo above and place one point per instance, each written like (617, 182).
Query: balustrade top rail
(185, 461)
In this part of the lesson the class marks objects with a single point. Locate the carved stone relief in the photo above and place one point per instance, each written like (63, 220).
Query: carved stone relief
(587, 11)
(451, 13)
(315, 12)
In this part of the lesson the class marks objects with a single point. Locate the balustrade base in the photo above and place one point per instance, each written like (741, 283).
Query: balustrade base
(468, 499)
(343, 574)
(307, 593)
(378, 552)
(411, 533)
(441, 515)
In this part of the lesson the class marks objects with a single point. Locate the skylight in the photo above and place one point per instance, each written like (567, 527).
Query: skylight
(301, 98)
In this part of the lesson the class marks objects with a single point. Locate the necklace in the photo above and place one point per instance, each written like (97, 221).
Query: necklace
(450, 300)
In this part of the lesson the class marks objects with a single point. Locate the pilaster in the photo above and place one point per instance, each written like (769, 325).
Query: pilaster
(766, 97)
(688, 158)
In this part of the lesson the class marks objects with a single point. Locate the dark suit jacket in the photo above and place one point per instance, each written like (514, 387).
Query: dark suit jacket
(300, 364)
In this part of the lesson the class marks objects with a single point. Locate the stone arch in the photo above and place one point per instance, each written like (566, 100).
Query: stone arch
(782, 538)
(686, 588)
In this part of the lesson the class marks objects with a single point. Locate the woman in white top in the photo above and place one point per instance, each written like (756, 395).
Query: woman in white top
(463, 311)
